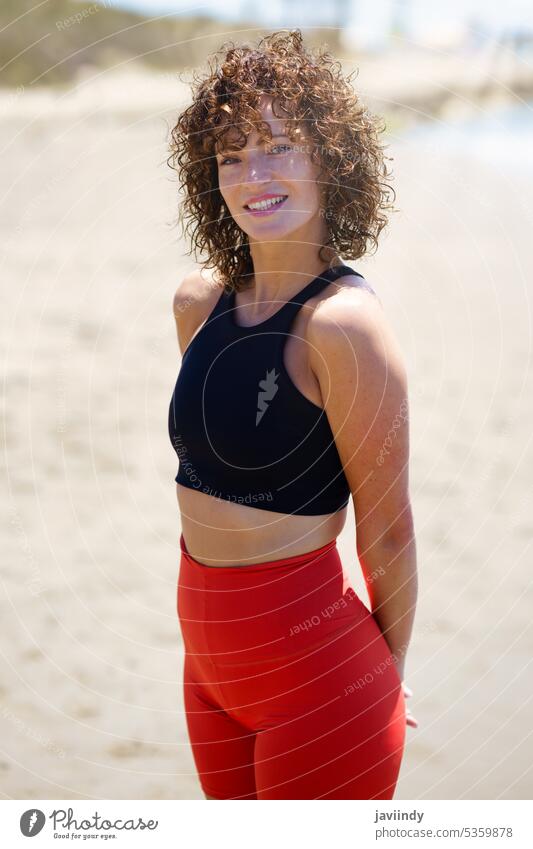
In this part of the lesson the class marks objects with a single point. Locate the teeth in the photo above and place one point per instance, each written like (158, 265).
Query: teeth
(264, 204)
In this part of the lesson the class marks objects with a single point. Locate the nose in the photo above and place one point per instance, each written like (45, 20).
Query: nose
(258, 168)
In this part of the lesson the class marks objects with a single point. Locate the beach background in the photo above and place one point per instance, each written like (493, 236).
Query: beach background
(90, 692)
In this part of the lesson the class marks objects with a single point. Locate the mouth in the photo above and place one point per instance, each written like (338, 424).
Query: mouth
(266, 207)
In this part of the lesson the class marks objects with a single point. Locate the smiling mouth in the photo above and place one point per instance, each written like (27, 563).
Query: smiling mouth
(266, 206)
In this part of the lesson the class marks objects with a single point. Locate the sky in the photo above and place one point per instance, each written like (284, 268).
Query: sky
(371, 19)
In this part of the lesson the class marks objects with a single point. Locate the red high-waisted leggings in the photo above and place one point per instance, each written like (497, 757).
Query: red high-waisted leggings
(289, 687)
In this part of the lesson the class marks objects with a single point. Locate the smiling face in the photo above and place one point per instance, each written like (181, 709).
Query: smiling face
(277, 178)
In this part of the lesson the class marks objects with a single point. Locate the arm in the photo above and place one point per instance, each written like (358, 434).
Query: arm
(183, 306)
(363, 382)
(192, 302)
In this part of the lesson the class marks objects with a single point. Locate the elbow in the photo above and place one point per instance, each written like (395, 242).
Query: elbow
(401, 530)
(399, 537)
(395, 535)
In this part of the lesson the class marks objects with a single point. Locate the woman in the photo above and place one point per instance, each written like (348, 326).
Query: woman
(284, 407)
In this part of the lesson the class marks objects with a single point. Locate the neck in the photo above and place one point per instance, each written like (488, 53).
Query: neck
(283, 268)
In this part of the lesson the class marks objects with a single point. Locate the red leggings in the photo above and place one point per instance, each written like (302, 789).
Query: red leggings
(289, 686)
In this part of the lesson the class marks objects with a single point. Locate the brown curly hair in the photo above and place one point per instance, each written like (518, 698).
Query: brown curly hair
(308, 87)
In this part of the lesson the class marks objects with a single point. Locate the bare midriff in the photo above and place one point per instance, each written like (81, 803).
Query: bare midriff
(224, 533)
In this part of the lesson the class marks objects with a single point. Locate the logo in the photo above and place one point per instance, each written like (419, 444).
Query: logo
(269, 388)
(32, 822)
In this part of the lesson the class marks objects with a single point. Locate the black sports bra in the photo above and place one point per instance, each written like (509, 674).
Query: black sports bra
(242, 430)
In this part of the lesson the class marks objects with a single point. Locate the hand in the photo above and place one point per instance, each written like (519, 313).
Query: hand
(409, 718)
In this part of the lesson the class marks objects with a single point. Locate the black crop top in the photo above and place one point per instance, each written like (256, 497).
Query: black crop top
(242, 430)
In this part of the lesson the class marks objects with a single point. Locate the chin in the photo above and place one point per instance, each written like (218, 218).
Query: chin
(282, 228)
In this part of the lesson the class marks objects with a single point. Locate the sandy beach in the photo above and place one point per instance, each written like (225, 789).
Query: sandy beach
(91, 702)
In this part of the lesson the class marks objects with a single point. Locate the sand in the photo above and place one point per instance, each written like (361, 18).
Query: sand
(91, 702)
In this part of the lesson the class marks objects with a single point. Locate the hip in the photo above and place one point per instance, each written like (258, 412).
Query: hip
(276, 610)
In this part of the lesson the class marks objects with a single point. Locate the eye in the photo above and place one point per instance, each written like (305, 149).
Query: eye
(227, 159)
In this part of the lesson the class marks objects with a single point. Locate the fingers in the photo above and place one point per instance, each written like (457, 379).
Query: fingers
(409, 718)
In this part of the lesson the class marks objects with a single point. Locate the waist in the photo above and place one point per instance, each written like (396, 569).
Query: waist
(260, 612)
(282, 563)
(220, 535)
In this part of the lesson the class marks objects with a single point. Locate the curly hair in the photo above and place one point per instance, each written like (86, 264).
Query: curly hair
(309, 87)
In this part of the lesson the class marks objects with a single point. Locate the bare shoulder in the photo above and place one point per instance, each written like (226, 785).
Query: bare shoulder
(193, 301)
(351, 320)
(198, 287)
(350, 284)
(350, 299)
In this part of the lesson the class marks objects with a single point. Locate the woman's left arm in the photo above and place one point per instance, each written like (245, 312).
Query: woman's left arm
(363, 382)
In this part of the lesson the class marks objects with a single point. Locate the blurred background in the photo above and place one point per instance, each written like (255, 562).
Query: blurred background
(90, 691)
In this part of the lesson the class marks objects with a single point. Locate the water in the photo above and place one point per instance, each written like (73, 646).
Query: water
(501, 136)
